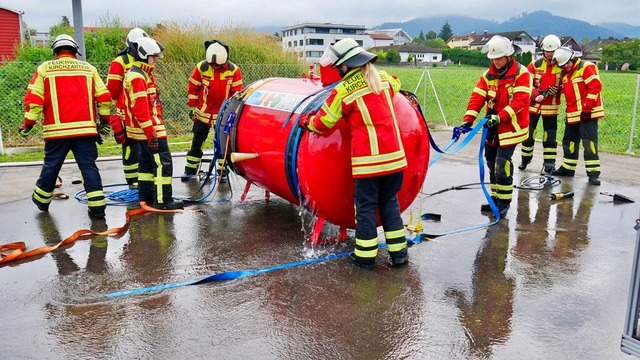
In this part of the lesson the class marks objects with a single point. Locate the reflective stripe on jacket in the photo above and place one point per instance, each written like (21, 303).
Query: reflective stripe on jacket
(376, 143)
(208, 88)
(545, 75)
(582, 91)
(508, 97)
(143, 108)
(66, 91)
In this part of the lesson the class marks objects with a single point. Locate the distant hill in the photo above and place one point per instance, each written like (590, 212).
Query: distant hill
(537, 23)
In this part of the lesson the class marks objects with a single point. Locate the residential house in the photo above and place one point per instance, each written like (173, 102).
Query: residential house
(309, 40)
(400, 37)
(421, 53)
(376, 40)
(461, 41)
(11, 33)
(520, 38)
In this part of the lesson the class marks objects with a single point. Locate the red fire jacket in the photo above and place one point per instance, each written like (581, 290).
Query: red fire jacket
(507, 97)
(582, 91)
(143, 109)
(208, 88)
(545, 75)
(118, 68)
(376, 144)
(66, 90)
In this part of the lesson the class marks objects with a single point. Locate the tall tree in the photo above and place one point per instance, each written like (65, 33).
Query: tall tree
(421, 36)
(431, 35)
(445, 32)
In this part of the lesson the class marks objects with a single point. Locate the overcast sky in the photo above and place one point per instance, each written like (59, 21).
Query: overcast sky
(41, 14)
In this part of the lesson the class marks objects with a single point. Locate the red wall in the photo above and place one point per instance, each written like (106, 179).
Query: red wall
(9, 33)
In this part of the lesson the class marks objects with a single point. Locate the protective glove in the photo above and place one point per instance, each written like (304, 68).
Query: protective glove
(24, 130)
(119, 133)
(154, 145)
(99, 140)
(552, 90)
(539, 98)
(464, 128)
(104, 128)
(120, 136)
(585, 116)
(304, 120)
(192, 114)
(492, 120)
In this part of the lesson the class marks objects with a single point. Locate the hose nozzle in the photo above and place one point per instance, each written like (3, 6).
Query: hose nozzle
(558, 196)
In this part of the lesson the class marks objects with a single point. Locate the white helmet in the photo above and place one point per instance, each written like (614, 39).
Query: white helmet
(64, 40)
(346, 51)
(551, 43)
(563, 55)
(146, 46)
(217, 52)
(135, 34)
(499, 46)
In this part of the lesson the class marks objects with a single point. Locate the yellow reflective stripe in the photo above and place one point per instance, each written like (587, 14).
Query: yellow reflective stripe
(480, 92)
(378, 158)
(501, 187)
(394, 234)
(43, 193)
(396, 247)
(95, 194)
(472, 113)
(162, 181)
(592, 163)
(194, 82)
(366, 253)
(374, 169)
(367, 243)
(374, 148)
(145, 177)
(96, 203)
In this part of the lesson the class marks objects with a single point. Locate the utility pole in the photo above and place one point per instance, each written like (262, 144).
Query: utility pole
(78, 28)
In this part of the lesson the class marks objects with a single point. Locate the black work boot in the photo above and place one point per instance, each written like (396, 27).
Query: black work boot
(594, 180)
(188, 175)
(41, 206)
(562, 171)
(503, 208)
(525, 162)
(364, 263)
(174, 205)
(399, 258)
(97, 212)
(487, 207)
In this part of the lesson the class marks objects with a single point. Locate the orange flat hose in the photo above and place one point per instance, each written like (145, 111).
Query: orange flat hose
(16, 250)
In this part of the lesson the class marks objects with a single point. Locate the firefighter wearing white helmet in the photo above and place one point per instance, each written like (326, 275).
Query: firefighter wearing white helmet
(145, 124)
(363, 100)
(504, 89)
(115, 80)
(212, 81)
(66, 92)
(582, 90)
(545, 103)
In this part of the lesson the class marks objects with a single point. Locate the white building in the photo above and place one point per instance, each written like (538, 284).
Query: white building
(309, 40)
(400, 37)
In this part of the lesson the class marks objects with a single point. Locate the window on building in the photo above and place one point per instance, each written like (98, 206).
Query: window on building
(315, 41)
(322, 30)
(434, 57)
(315, 54)
(348, 31)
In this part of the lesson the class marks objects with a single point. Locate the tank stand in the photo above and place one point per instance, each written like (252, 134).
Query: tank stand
(317, 228)
(267, 193)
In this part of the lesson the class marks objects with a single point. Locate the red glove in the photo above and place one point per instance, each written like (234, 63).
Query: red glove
(152, 138)
(304, 119)
(118, 130)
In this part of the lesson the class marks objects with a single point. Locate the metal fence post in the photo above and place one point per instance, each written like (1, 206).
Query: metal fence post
(633, 119)
(1, 146)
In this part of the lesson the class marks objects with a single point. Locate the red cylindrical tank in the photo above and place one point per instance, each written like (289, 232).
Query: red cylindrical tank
(296, 164)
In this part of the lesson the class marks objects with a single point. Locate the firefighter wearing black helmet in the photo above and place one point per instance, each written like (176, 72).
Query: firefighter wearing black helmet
(211, 82)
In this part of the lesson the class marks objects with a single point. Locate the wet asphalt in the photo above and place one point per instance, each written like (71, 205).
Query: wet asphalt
(550, 281)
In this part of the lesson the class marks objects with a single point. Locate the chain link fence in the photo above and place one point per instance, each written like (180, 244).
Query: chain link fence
(443, 93)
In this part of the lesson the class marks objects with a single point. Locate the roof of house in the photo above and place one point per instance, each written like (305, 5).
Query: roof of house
(376, 36)
(8, 9)
(482, 39)
(408, 48)
(462, 37)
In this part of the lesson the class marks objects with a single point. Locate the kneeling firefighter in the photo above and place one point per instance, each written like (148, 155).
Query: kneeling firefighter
(364, 99)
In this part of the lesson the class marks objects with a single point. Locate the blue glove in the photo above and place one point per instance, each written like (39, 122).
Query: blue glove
(492, 120)
(24, 130)
(464, 128)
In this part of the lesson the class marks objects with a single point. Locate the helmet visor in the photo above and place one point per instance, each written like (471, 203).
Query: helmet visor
(329, 57)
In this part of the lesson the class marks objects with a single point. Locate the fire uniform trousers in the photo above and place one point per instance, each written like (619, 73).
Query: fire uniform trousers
(118, 68)
(144, 110)
(377, 158)
(208, 88)
(545, 75)
(582, 91)
(66, 91)
(508, 97)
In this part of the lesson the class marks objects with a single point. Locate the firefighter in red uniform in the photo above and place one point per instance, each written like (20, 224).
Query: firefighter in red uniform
(582, 93)
(118, 68)
(66, 91)
(545, 103)
(364, 99)
(505, 89)
(143, 110)
(212, 81)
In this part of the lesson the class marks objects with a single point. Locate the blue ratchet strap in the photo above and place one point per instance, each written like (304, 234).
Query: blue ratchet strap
(238, 274)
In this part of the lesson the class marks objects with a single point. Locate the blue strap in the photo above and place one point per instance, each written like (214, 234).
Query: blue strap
(238, 274)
